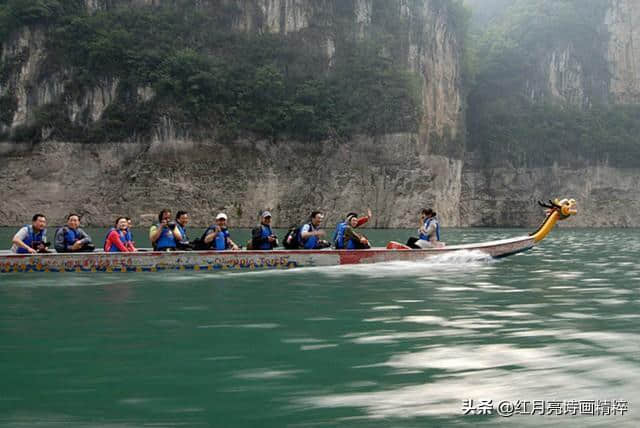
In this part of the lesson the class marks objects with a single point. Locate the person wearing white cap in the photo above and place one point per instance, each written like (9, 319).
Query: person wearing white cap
(262, 238)
(217, 237)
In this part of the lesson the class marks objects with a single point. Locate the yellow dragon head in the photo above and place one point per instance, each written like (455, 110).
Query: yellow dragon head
(564, 207)
(558, 209)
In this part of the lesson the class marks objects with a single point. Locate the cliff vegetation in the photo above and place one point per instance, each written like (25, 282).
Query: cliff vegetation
(540, 90)
(204, 77)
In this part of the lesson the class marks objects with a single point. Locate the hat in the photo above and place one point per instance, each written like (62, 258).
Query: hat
(221, 215)
(265, 214)
(350, 216)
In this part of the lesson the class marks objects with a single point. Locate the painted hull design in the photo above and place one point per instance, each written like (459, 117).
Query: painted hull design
(239, 260)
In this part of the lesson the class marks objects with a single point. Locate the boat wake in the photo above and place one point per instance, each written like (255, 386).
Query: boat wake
(455, 262)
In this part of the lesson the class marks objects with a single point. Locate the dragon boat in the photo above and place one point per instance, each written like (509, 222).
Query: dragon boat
(155, 261)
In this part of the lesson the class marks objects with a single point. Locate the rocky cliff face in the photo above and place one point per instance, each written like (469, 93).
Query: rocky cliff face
(394, 174)
(607, 196)
(609, 72)
(25, 52)
(623, 53)
(391, 174)
(427, 45)
(32, 85)
(565, 75)
(566, 78)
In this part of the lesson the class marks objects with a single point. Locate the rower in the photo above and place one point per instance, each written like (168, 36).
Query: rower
(71, 238)
(31, 238)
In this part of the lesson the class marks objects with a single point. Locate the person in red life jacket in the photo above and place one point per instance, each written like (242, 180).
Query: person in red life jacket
(164, 235)
(262, 237)
(116, 238)
(217, 237)
(31, 238)
(71, 238)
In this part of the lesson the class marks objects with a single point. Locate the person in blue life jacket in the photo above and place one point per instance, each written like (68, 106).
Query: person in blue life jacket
(338, 234)
(182, 242)
(71, 238)
(353, 240)
(115, 241)
(428, 232)
(129, 234)
(31, 238)
(164, 236)
(310, 233)
(262, 237)
(217, 237)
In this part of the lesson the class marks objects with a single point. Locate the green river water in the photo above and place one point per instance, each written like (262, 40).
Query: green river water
(388, 345)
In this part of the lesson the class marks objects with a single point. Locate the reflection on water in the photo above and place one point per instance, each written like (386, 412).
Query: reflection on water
(398, 344)
(565, 371)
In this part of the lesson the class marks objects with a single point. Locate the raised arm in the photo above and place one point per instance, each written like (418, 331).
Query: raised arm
(155, 232)
(211, 235)
(176, 234)
(363, 220)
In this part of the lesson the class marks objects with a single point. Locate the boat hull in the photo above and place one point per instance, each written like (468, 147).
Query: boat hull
(152, 261)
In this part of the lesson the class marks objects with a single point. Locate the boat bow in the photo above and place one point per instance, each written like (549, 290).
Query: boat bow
(557, 210)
